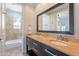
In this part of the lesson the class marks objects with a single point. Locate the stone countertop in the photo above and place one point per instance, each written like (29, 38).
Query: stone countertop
(72, 48)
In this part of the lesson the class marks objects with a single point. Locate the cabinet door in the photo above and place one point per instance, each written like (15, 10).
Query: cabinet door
(32, 45)
(28, 43)
(36, 47)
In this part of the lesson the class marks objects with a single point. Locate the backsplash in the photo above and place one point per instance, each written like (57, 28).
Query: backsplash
(70, 37)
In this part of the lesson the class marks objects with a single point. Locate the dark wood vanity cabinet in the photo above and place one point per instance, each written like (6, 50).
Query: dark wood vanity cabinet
(33, 45)
(41, 49)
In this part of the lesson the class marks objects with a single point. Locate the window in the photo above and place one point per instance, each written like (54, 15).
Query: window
(14, 10)
(17, 21)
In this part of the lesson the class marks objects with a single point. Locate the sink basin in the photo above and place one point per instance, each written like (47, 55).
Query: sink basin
(58, 43)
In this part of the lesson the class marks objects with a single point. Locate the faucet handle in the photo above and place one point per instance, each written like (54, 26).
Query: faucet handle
(60, 37)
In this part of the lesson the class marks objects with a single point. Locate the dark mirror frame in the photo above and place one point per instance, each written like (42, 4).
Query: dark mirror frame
(71, 20)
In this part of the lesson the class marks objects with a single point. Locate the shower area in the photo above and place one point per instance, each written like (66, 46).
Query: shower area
(10, 29)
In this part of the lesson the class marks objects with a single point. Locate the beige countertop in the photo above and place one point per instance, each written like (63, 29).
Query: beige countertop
(72, 48)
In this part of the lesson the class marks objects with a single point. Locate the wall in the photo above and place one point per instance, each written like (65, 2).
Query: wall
(0, 17)
(42, 7)
(76, 19)
(0, 22)
(29, 18)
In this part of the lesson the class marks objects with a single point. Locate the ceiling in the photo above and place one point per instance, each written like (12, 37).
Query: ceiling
(29, 4)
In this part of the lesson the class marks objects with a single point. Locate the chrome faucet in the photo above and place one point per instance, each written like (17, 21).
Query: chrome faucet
(62, 38)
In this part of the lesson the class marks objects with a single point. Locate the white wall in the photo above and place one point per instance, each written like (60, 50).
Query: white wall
(1, 22)
(0, 17)
(29, 18)
(76, 19)
(43, 6)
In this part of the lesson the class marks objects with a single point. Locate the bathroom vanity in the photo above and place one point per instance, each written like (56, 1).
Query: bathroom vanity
(47, 46)
(57, 19)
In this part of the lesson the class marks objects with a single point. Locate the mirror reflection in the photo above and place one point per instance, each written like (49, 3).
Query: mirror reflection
(56, 19)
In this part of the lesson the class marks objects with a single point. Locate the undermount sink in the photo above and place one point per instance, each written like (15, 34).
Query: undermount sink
(58, 43)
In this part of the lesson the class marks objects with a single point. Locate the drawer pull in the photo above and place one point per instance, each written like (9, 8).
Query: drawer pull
(34, 43)
(46, 50)
(35, 50)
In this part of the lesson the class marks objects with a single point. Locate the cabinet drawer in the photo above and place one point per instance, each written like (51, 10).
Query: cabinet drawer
(49, 51)
(52, 51)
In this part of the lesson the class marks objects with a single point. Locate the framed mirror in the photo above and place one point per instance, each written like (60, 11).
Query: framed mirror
(57, 19)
